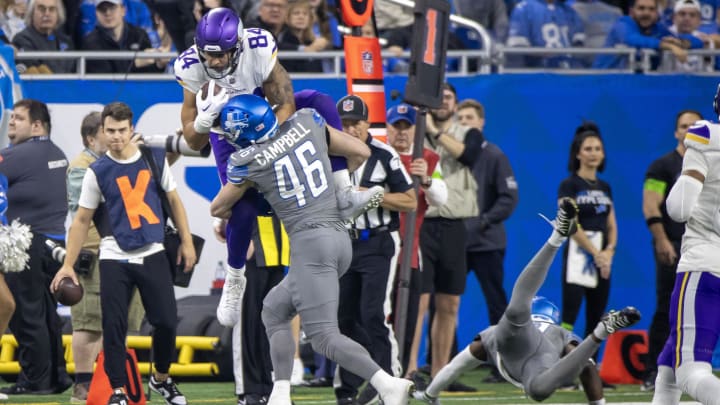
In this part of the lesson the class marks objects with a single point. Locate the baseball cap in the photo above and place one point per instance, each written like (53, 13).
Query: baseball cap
(686, 5)
(352, 107)
(98, 2)
(401, 112)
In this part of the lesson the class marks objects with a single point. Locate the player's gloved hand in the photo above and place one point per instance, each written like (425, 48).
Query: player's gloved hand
(209, 107)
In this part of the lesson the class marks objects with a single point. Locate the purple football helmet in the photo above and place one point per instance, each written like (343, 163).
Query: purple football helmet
(219, 32)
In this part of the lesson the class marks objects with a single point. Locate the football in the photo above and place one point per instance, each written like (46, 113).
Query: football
(205, 88)
(68, 293)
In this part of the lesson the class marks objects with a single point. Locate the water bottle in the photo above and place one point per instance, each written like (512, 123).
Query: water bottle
(219, 281)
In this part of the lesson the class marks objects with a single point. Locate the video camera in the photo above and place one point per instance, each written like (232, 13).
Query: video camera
(85, 260)
(175, 144)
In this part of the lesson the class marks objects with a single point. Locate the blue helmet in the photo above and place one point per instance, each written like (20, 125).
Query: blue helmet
(543, 310)
(248, 119)
(219, 31)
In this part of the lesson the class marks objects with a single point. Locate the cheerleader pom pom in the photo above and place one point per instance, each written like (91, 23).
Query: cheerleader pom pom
(15, 240)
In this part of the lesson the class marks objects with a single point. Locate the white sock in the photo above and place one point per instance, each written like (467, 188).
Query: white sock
(556, 239)
(382, 381)
(598, 402)
(600, 331)
(342, 179)
(463, 362)
(233, 272)
(281, 389)
(666, 390)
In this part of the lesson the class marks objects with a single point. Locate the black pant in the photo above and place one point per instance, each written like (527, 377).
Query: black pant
(153, 280)
(255, 367)
(361, 316)
(660, 326)
(596, 300)
(35, 323)
(489, 270)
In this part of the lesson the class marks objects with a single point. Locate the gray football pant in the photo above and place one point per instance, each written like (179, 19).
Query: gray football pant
(524, 349)
(318, 257)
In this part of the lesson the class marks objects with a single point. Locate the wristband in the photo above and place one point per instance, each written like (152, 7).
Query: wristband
(653, 220)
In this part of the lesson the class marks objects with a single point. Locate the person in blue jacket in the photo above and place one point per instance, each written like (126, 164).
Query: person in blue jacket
(642, 29)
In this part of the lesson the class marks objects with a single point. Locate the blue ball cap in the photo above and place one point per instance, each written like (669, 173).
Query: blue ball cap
(401, 112)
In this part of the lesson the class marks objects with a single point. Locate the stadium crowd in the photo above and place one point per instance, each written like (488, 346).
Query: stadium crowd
(672, 27)
(464, 190)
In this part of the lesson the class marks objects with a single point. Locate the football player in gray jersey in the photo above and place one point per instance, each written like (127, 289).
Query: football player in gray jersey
(289, 164)
(527, 346)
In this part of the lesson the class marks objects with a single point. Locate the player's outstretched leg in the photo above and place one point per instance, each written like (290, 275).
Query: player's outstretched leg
(463, 362)
(532, 277)
(570, 366)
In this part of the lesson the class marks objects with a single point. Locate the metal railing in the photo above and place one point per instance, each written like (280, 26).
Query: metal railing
(486, 62)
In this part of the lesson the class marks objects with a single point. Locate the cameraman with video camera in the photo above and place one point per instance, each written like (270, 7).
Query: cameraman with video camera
(86, 318)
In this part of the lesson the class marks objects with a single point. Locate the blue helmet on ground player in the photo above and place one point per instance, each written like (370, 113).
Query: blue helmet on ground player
(543, 310)
(218, 38)
(248, 119)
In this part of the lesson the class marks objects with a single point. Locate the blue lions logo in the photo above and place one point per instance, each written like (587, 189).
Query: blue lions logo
(235, 124)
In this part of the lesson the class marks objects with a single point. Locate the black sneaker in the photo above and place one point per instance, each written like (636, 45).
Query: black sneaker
(368, 395)
(566, 220)
(252, 399)
(118, 398)
(18, 389)
(168, 390)
(648, 384)
(418, 380)
(616, 320)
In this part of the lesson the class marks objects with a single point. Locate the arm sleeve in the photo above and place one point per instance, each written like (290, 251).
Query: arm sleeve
(436, 195)
(682, 198)
(473, 146)
(398, 179)
(168, 180)
(519, 29)
(90, 195)
(74, 185)
(685, 192)
(695, 42)
(635, 38)
(566, 189)
(507, 192)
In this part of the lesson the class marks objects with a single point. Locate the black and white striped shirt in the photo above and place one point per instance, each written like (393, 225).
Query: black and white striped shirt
(383, 168)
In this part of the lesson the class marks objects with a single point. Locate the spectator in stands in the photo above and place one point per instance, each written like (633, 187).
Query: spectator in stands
(497, 197)
(85, 315)
(686, 21)
(272, 15)
(43, 33)
(432, 191)
(492, 15)
(112, 33)
(588, 259)
(442, 237)
(37, 196)
(545, 24)
(326, 24)
(298, 35)
(642, 30)
(390, 16)
(137, 13)
(179, 20)
(12, 17)
(666, 238)
(598, 18)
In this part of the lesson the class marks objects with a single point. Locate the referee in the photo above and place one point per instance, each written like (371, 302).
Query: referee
(367, 285)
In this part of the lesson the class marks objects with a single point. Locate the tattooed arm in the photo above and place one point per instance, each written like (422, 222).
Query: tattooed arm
(279, 91)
